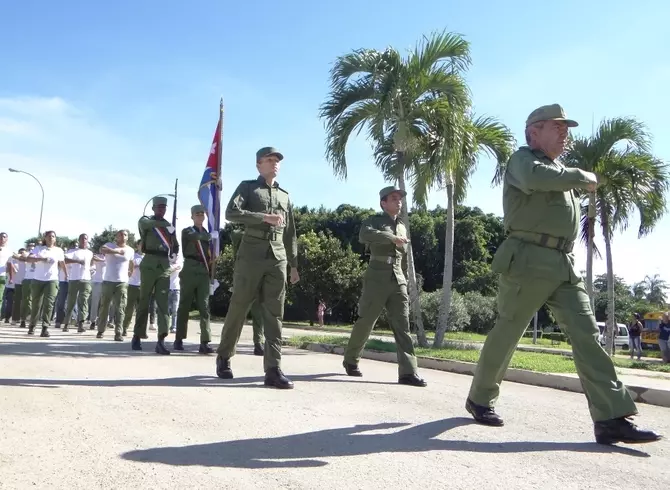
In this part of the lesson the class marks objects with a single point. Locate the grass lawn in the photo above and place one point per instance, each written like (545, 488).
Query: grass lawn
(532, 361)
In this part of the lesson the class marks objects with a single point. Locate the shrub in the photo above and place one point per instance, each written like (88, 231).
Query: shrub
(482, 310)
(430, 306)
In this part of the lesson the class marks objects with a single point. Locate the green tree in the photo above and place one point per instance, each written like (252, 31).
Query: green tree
(106, 236)
(61, 241)
(632, 180)
(393, 96)
(655, 290)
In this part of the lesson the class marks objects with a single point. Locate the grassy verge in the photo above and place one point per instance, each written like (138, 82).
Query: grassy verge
(532, 361)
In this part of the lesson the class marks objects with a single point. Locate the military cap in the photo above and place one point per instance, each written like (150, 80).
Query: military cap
(198, 208)
(157, 201)
(553, 112)
(266, 151)
(390, 190)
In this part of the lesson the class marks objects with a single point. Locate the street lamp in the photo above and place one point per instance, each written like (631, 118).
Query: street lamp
(151, 199)
(39, 229)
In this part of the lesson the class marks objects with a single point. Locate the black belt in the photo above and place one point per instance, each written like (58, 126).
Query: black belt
(544, 240)
(159, 253)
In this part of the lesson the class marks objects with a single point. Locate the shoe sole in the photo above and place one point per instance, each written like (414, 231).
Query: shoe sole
(279, 387)
(611, 442)
(225, 375)
(404, 383)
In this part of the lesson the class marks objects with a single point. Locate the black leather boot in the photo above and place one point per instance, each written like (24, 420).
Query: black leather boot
(178, 344)
(223, 370)
(45, 332)
(412, 380)
(275, 378)
(258, 350)
(160, 346)
(352, 369)
(136, 343)
(205, 348)
(484, 415)
(622, 430)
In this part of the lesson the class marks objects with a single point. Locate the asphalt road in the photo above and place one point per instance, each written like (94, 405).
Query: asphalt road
(80, 413)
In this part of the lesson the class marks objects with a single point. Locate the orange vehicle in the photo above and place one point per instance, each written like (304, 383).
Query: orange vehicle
(650, 331)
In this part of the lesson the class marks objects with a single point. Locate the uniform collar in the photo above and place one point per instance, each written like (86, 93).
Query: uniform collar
(389, 218)
(262, 181)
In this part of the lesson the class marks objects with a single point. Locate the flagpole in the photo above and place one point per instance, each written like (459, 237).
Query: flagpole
(219, 187)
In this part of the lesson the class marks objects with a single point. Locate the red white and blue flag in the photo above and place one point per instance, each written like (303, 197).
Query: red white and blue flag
(209, 193)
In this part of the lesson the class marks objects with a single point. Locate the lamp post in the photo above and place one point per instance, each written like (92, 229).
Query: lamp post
(39, 228)
(151, 199)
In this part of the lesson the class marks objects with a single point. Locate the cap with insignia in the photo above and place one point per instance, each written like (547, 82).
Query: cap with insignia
(553, 112)
(198, 208)
(390, 190)
(157, 201)
(267, 151)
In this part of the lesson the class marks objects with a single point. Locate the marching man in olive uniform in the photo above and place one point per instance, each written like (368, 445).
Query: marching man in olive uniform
(536, 266)
(385, 286)
(158, 244)
(268, 245)
(194, 279)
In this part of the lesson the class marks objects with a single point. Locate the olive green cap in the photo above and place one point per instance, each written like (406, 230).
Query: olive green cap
(390, 190)
(160, 200)
(267, 151)
(198, 208)
(553, 112)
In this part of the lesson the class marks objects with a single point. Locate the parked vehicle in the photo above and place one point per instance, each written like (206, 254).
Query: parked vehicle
(621, 339)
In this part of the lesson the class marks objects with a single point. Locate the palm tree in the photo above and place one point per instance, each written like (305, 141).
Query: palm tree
(655, 288)
(452, 156)
(631, 180)
(393, 97)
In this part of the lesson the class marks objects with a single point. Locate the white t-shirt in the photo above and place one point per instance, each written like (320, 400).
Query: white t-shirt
(118, 265)
(14, 264)
(5, 255)
(20, 273)
(100, 267)
(80, 272)
(135, 277)
(30, 269)
(47, 271)
(174, 276)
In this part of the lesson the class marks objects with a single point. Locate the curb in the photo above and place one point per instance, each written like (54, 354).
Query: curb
(640, 394)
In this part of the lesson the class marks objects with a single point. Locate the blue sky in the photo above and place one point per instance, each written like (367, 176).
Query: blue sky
(107, 104)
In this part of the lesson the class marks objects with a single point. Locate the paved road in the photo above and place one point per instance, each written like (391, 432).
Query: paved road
(77, 413)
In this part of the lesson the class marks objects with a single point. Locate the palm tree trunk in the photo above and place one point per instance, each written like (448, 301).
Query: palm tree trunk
(591, 223)
(414, 303)
(611, 318)
(448, 273)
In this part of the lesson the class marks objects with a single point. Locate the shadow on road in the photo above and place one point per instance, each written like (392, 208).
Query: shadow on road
(309, 449)
(182, 382)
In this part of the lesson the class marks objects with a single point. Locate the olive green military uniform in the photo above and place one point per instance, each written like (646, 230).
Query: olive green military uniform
(194, 279)
(255, 309)
(384, 286)
(536, 266)
(155, 271)
(260, 265)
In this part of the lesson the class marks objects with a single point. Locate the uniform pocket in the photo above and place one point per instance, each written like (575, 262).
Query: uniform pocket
(508, 297)
(505, 256)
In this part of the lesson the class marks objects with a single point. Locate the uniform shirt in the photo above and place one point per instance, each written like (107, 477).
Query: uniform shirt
(99, 274)
(195, 245)
(387, 260)
(117, 266)
(156, 238)
(78, 272)
(5, 255)
(134, 279)
(47, 271)
(174, 275)
(538, 195)
(249, 203)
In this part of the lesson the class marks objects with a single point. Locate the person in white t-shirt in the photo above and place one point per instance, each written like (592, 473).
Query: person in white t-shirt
(115, 283)
(48, 260)
(176, 265)
(79, 288)
(133, 287)
(26, 289)
(96, 287)
(5, 255)
(18, 286)
(63, 287)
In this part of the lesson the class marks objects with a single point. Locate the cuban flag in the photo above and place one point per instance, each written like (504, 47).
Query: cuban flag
(209, 192)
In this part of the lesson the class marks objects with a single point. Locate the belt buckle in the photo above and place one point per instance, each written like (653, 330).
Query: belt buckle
(389, 260)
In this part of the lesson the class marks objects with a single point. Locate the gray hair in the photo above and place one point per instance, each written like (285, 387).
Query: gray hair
(537, 125)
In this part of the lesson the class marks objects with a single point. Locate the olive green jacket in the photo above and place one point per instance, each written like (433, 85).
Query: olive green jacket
(386, 259)
(249, 203)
